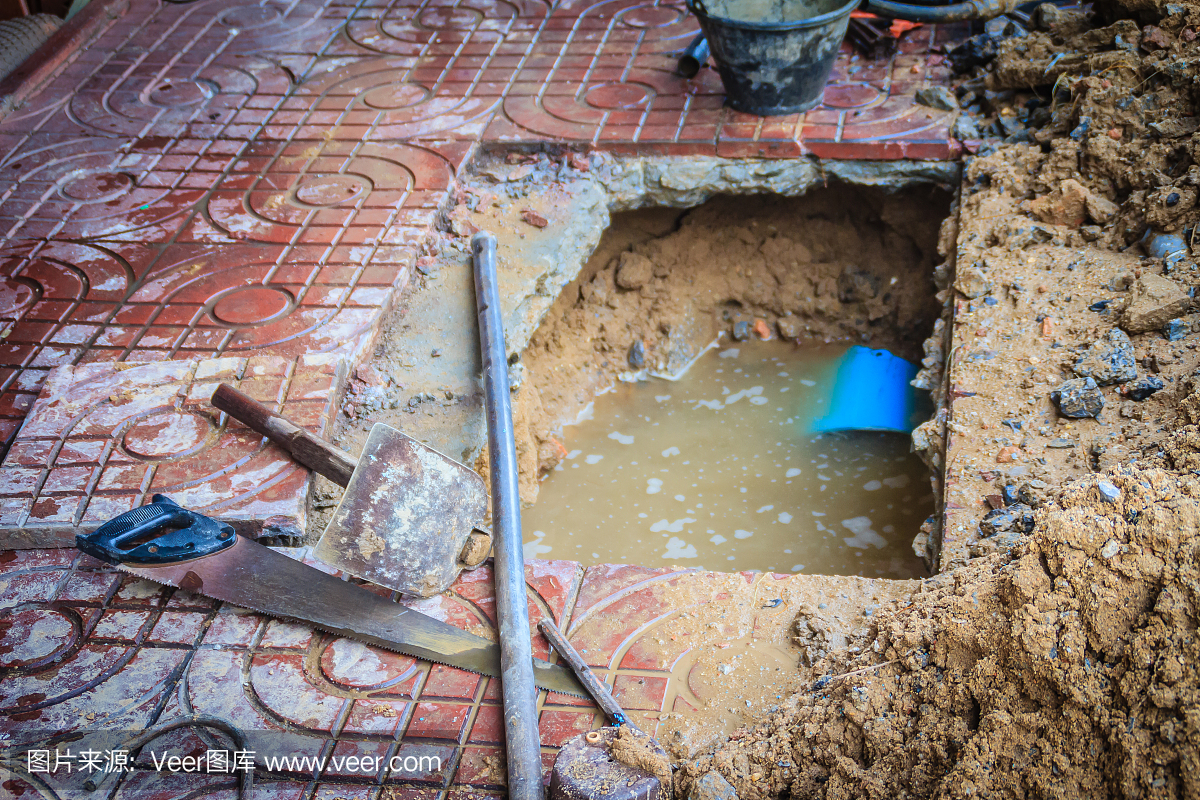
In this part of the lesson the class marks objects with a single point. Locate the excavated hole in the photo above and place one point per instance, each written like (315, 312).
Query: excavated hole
(717, 469)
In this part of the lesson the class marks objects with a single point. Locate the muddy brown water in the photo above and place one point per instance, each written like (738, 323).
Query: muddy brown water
(717, 470)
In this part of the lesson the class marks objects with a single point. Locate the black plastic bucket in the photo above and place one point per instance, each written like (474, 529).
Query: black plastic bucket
(776, 55)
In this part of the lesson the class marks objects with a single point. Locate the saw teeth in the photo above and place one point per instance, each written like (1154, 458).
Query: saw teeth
(336, 634)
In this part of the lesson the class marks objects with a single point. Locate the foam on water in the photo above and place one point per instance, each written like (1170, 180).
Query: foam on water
(697, 477)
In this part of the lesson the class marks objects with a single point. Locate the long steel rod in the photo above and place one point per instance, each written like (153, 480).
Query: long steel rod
(521, 739)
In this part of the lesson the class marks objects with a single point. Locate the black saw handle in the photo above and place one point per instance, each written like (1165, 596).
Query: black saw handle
(181, 535)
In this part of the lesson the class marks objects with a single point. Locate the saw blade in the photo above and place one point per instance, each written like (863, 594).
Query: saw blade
(260, 579)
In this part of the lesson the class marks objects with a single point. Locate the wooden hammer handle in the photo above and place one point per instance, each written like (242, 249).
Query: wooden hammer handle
(311, 451)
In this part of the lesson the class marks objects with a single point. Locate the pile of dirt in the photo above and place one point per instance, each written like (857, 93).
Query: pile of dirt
(1064, 669)
(1127, 96)
(1056, 656)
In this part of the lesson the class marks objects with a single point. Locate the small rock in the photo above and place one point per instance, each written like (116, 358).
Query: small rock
(1000, 543)
(368, 375)
(974, 52)
(1155, 38)
(965, 128)
(1109, 360)
(1028, 495)
(1175, 329)
(741, 331)
(854, 285)
(1108, 492)
(1121, 283)
(1062, 22)
(1110, 549)
(1155, 302)
(789, 328)
(712, 786)
(1099, 208)
(1067, 205)
(1018, 517)
(535, 219)
(1004, 26)
(939, 97)
(972, 283)
(761, 329)
(1078, 398)
(1175, 128)
(634, 271)
(1081, 130)
(1060, 444)
(463, 228)
(1009, 495)
(520, 173)
(636, 355)
(1007, 454)
(1143, 388)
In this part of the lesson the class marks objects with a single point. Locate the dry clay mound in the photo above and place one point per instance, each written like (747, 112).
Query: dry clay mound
(1067, 669)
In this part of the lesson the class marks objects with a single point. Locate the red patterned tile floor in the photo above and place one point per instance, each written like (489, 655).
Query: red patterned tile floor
(219, 178)
(92, 657)
(231, 190)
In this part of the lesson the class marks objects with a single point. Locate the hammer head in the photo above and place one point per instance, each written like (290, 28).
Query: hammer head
(406, 515)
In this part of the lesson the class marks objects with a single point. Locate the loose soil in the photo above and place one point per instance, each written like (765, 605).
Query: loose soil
(1058, 662)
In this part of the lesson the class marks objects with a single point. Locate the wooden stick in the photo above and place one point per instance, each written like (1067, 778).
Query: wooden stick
(596, 687)
(311, 451)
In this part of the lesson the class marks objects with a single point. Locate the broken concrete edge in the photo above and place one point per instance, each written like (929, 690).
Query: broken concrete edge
(276, 529)
(930, 439)
(686, 181)
(57, 51)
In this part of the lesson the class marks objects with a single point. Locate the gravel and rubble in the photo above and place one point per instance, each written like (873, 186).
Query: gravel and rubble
(1056, 654)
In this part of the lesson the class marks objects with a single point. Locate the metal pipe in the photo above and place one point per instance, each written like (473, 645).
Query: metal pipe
(522, 743)
(597, 688)
(694, 56)
(958, 12)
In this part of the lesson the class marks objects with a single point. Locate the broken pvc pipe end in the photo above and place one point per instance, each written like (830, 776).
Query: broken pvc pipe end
(694, 56)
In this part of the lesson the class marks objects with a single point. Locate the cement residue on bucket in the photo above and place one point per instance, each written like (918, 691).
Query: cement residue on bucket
(770, 10)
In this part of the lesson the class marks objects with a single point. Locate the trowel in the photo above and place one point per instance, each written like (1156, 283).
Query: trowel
(410, 517)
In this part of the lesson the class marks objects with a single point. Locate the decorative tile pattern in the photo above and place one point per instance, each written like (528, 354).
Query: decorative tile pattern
(103, 438)
(224, 178)
(101, 670)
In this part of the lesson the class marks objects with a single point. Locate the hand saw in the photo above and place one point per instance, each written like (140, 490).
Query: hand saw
(171, 545)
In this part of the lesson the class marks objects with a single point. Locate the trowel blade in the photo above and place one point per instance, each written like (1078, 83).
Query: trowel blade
(405, 516)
